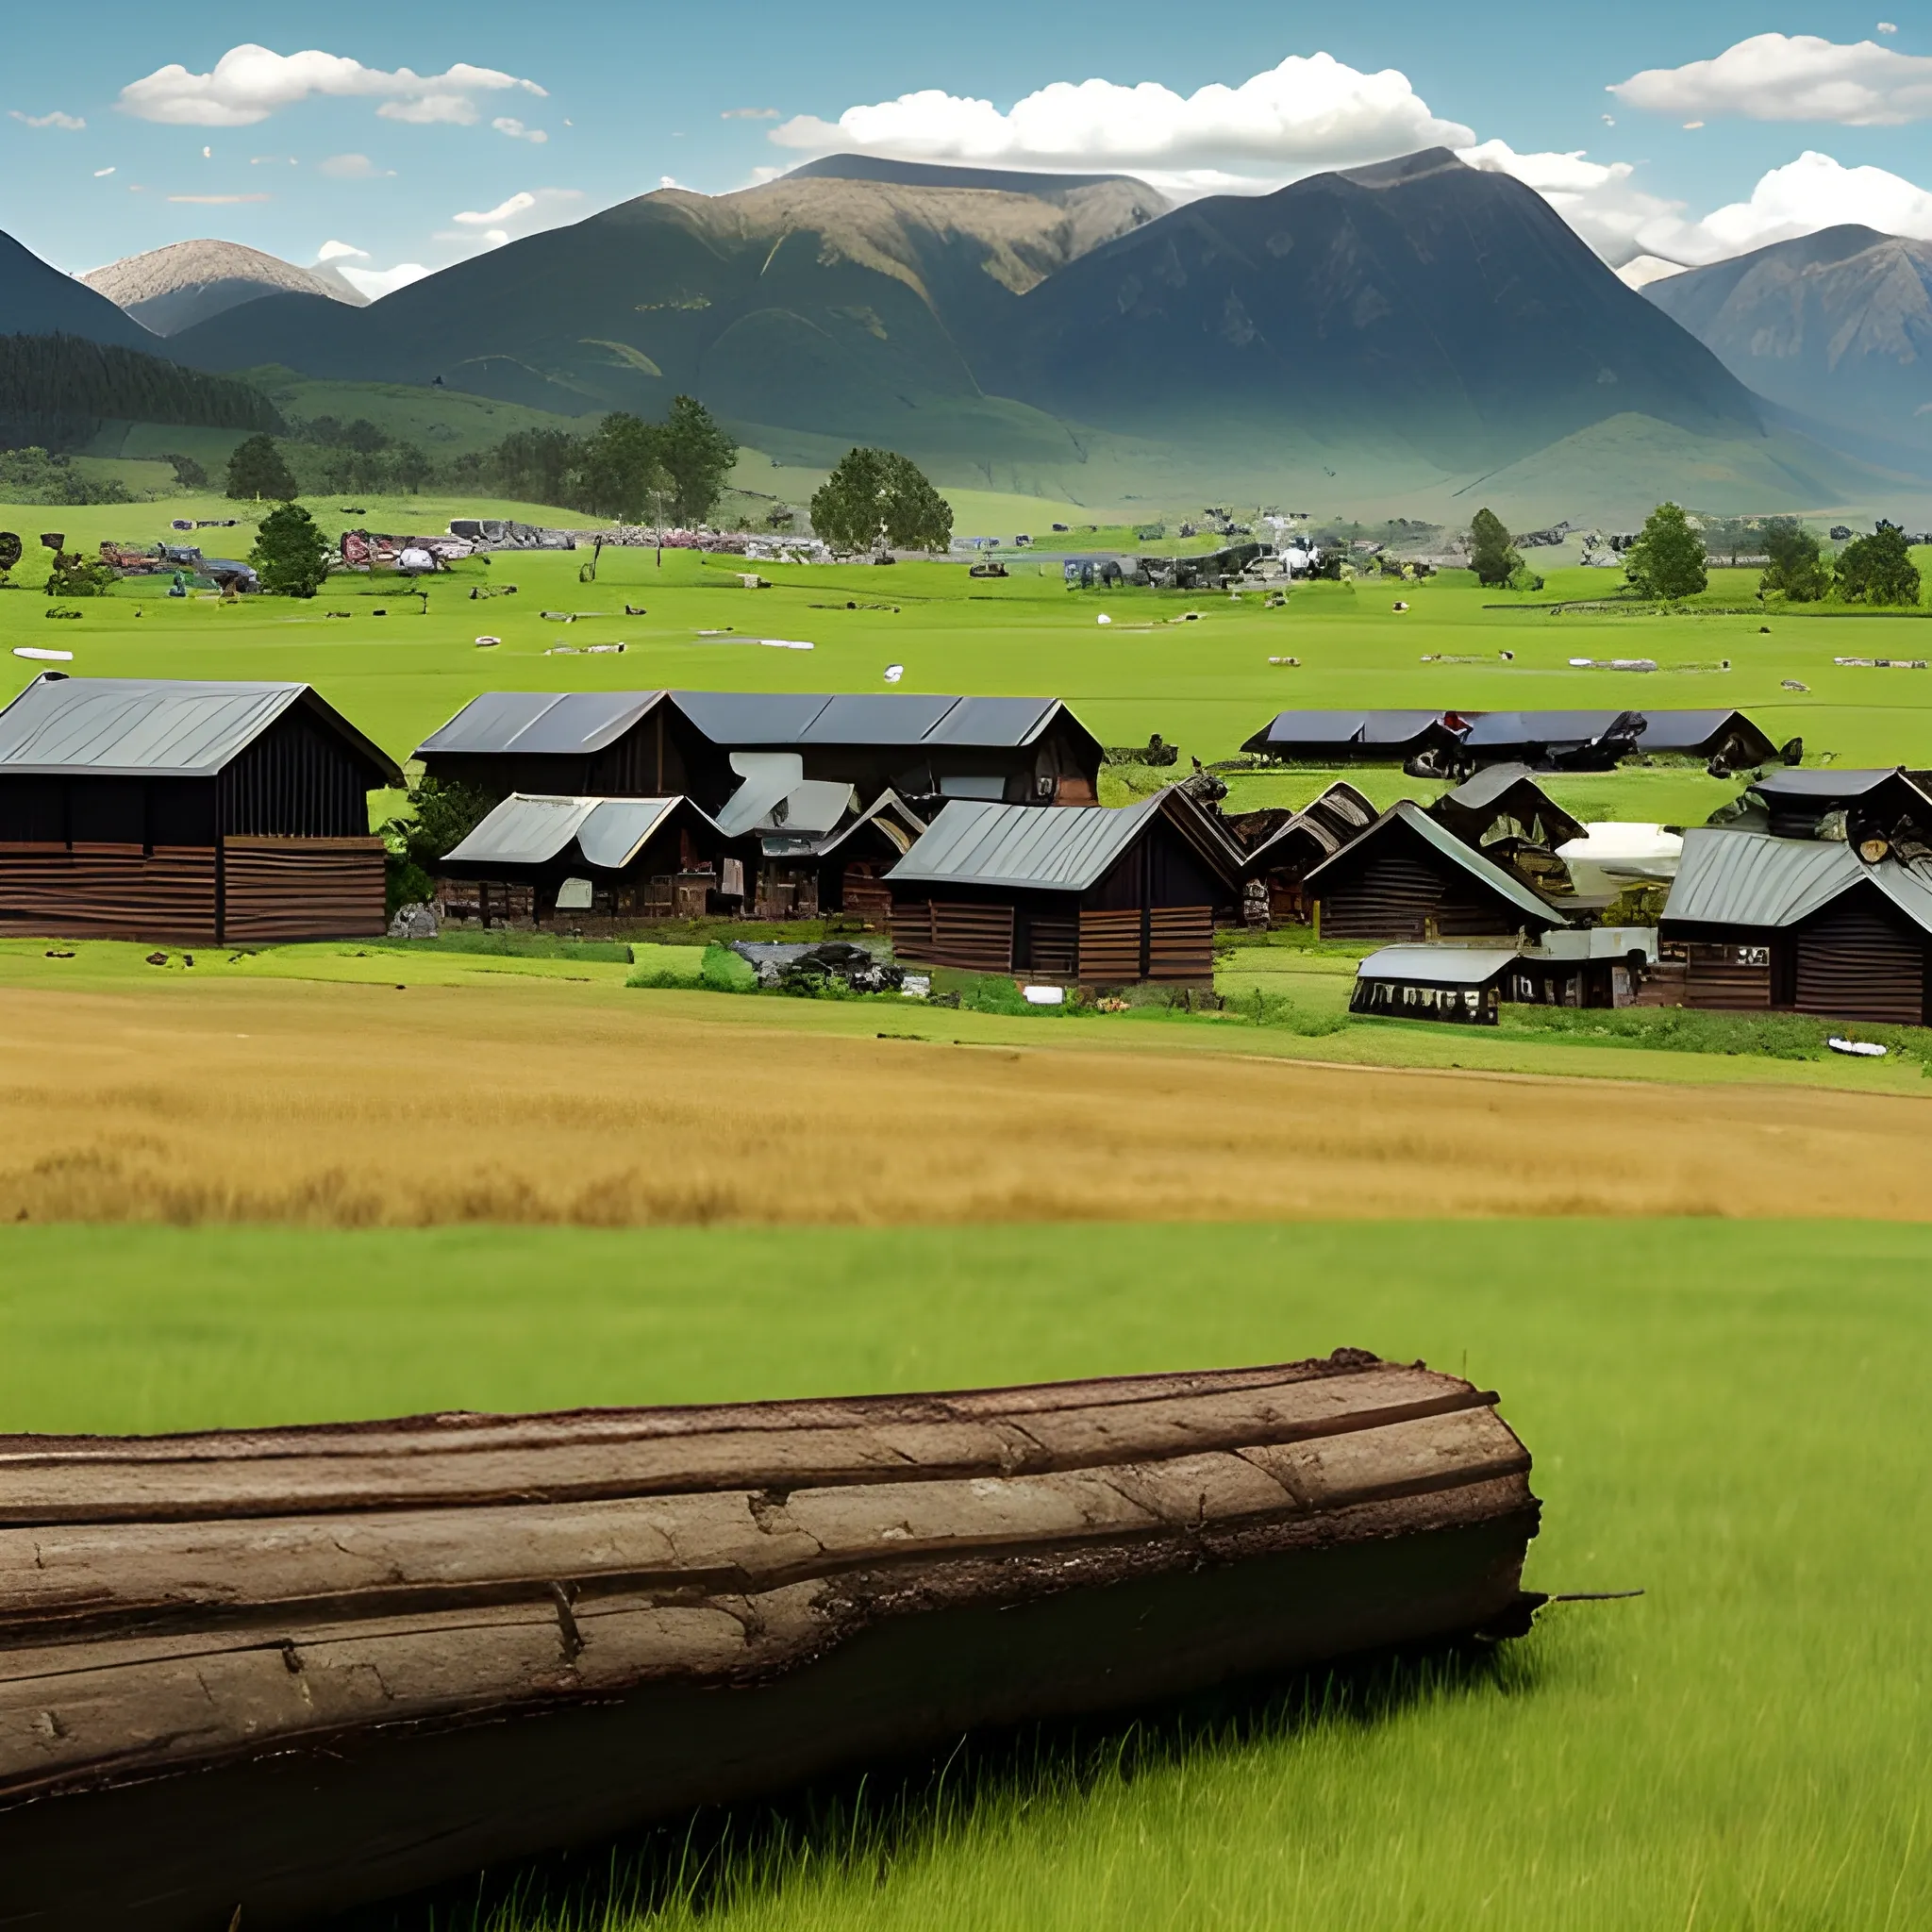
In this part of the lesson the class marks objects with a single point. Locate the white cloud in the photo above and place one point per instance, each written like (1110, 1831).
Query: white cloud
(503, 211)
(249, 83)
(69, 124)
(1791, 77)
(339, 251)
(1888, 26)
(1812, 192)
(750, 114)
(102, 173)
(353, 168)
(1599, 199)
(377, 282)
(219, 200)
(1297, 119)
(509, 125)
(524, 213)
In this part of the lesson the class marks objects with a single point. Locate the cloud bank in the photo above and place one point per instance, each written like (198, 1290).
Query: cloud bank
(1791, 77)
(68, 124)
(249, 83)
(1304, 115)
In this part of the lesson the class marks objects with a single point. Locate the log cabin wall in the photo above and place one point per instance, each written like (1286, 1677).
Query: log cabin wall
(276, 889)
(1861, 960)
(1726, 976)
(294, 782)
(1407, 892)
(111, 891)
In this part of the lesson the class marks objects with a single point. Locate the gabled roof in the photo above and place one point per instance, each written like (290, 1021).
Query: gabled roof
(577, 722)
(900, 826)
(1512, 788)
(1439, 965)
(542, 722)
(1827, 783)
(533, 828)
(156, 728)
(1404, 811)
(1341, 730)
(1055, 848)
(1753, 880)
(1492, 730)
(1326, 825)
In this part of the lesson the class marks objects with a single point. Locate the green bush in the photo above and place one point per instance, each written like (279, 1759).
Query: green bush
(723, 971)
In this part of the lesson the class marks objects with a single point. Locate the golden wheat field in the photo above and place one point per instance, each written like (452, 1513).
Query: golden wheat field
(368, 1106)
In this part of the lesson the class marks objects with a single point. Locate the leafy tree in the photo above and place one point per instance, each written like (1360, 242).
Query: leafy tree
(874, 493)
(441, 816)
(291, 553)
(1797, 571)
(697, 455)
(189, 474)
(1667, 560)
(256, 470)
(1523, 578)
(1878, 569)
(1491, 556)
(622, 471)
(10, 550)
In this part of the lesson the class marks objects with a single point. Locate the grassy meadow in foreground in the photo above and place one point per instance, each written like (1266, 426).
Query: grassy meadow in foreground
(1727, 1417)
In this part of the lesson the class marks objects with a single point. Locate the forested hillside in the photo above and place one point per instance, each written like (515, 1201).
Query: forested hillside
(56, 391)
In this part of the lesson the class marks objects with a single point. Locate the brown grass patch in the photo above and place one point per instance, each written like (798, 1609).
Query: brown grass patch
(359, 1107)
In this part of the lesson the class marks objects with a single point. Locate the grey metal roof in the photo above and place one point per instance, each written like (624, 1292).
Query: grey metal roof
(750, 717)
(1439, 965)
(1536, 727)
(1755, 880)
(1345, 727)
(540, 722)
(876, 718)
(993, 723)
(1505, 885)
(1691, 730)
(151, 727)
(1849, 783)
(1490, 785)
(532, 828)
(1062, 848)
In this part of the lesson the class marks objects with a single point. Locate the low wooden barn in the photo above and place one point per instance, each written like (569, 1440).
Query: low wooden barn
(1410, 877)
(1805, 926)
(1885, 804)
(1277, 868)
(539, 859)
(206, 814)
(1094, 895)
(1335, 737)
(1596, 741)
(803, 874)
(666, 744)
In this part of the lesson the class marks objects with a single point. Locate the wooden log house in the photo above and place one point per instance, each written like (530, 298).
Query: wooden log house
(1808, 925)
(1277, 868)
(666, 744)
(197, 813)
(1094, 895)
(592, 861)
(1410, 877)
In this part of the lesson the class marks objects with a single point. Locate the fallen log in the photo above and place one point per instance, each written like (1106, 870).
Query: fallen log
(298, 1670)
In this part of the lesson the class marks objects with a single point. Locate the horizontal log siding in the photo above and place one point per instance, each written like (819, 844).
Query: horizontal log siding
(941, 932)
(108, 892)
(296, 888)
(1053, 945)
(1854, 964)
(1110, 952)
(1398, 895)
(1180, 944)
(1718, 978)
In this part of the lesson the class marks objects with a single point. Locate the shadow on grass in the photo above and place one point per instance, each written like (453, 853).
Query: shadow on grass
(860, 1824)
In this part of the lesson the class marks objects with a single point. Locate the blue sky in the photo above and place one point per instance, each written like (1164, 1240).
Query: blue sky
(514, 117)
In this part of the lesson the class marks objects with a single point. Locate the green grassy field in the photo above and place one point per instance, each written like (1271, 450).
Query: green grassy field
(1205, 684)
(1727, 1417)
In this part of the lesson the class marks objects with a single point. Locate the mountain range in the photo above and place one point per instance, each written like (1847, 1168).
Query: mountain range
(1417, 330)
(170, 288)
(1835, 327)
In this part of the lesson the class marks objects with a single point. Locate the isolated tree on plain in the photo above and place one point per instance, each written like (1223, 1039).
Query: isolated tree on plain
(1797, 570)
(257, 472)
(1491, 556)
(291, 555)
(697, 455)
(1666, 562)
(619, 470)
(875, 495)
(1878, 569)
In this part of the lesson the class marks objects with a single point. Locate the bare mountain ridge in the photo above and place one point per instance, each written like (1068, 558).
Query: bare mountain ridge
(171, 289)
(1835, 326)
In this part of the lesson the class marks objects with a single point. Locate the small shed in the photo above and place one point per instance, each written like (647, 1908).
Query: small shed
(1460, 985)
(1595, 740)
(803, 874)
(539, 858)
(1277, 868)
(1885, 804)
(200, 814)
(1410, 877)
(1800, 924)
(1100, 895)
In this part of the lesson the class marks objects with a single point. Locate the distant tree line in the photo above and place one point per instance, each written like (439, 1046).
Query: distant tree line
(58, 389)
(671, 472)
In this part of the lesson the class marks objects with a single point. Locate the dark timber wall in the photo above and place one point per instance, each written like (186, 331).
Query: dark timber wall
(1401, 888)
